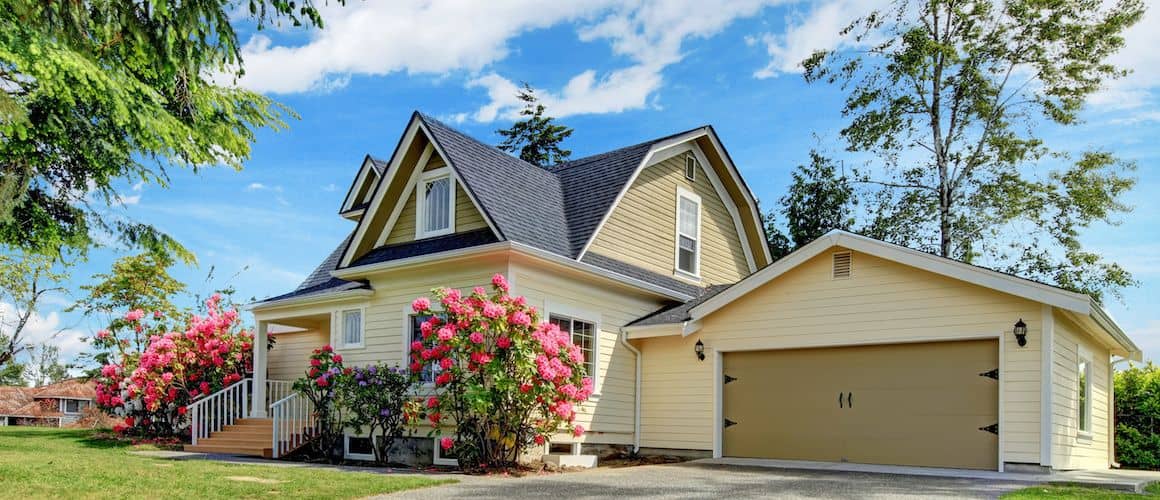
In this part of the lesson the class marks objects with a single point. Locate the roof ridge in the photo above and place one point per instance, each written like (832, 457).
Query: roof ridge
(427, 117)
(573, 163)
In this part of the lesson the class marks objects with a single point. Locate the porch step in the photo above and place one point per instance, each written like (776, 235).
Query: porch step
(247, 436)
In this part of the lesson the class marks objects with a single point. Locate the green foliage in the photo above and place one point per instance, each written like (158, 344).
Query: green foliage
(1137, 404)
(108, 93)
(535, 137)
(374, 397)
(11, 372)
(948, 96)
(25, 278)
(321, 385)
(819, 200)
(136, 282)
(46, 366)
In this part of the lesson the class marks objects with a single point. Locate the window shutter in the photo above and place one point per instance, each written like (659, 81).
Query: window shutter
(843, 261)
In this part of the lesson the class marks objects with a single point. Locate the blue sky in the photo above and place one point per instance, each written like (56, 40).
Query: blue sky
(618, 74)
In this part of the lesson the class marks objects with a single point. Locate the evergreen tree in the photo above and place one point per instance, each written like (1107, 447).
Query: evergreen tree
(535, 136)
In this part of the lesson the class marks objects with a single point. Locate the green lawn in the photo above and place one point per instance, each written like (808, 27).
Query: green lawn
(1066, 492)
(58, 463)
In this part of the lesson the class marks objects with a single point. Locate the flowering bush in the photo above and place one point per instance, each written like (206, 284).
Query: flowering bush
(374, 397)
(504, 379)
(151, 390)
(320, 385)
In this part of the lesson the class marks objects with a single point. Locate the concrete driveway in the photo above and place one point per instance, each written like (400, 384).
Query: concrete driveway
(691, 480)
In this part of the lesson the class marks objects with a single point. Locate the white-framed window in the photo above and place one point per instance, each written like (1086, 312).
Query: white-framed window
(357, 447)
(73, 405)
(415, 333)
(688, 254)
(690, 167)
(435, 198)
(350, 328)
(583, 334)
(439, 456)
(1084, 390)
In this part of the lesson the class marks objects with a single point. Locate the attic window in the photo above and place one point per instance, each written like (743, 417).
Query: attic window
(690, 167)
(843, 261)
(436, 200)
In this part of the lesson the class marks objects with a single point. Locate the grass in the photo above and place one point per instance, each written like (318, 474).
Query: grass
(61, 463)
(1063, 491)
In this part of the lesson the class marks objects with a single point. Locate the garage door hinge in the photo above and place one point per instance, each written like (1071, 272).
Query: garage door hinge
(729, 379)
(991, 374)
(993, 429)
(729, 423)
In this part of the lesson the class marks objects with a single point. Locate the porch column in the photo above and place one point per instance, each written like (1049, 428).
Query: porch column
(258, 393)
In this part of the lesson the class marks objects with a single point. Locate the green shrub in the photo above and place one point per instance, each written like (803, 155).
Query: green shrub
(1138, 417)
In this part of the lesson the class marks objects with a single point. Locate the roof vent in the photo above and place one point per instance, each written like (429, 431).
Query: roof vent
(843, 261)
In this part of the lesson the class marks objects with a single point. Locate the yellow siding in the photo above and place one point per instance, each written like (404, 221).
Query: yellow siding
(883, 302)
(1069, 451)
(291, 353)
(388, 309)
(467, 218)
(642, 228)
(609, 416)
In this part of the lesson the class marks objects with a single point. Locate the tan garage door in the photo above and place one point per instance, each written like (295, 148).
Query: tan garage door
(929, 404)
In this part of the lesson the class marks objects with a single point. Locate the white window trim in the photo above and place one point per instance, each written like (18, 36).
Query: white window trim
(696, 164)
(437, 452)
(421, 203)
(355, 456)
(587, 316)
(683, 193)
(1085, 356)
(337, 323)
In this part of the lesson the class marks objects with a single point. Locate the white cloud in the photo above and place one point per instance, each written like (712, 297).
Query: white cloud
(330, 188)
(413, 36)
(48, 329)
(817, 29)
(129, 199)
(1148, 338)
(650, 34)
(258, 186)
(439, 37)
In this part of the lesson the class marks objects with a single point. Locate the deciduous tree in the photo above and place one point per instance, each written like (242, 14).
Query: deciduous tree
(948, 97)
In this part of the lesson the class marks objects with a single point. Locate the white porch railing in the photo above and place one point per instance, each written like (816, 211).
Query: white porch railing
(215, 411)
(294, 423)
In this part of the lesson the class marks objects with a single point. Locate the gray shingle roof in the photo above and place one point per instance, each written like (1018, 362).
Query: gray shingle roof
(556, 209)
(678, 312)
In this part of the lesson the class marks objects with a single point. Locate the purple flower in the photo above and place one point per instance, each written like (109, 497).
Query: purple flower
(362, 383)
(371, 369)
(386, 412)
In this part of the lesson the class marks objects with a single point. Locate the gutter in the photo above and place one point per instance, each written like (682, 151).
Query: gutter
(1101, 317)
(308, 299)
(623, 338)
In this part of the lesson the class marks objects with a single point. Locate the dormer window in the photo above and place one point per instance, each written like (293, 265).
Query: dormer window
(436, 200)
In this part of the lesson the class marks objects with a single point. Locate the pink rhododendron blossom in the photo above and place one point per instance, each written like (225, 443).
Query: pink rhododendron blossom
(420, 304)
(446, 363)
(475, 337)
(134, 315)
(500, 282)
(520, 318)
(446, 333)
(578, 430)
(446, 443)
(492, 310)
(503, 342)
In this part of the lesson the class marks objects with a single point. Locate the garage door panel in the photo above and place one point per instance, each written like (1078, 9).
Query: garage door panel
(907, 404)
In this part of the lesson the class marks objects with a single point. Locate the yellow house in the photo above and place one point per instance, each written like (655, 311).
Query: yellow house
(653, 256)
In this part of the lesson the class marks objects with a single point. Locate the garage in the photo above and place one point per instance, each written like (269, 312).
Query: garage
(931, 404)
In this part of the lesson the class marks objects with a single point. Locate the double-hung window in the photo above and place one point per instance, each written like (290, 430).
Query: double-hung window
(1084, 391)
(688, 233)
(436, 203)
(415, 333)
(351, 327)
(583, 334)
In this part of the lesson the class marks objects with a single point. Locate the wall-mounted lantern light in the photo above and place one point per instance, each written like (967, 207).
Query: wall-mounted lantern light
(699, 348)
(1021, 332)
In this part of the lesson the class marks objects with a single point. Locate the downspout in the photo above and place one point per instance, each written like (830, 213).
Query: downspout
(623, 337)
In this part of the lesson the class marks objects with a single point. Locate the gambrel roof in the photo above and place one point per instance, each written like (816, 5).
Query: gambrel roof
(557, 209)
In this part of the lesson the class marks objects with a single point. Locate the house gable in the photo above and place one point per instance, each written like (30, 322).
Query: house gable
(729, 189)
(361, 188)
(641, 228)
(467, 217)
(414, 153)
